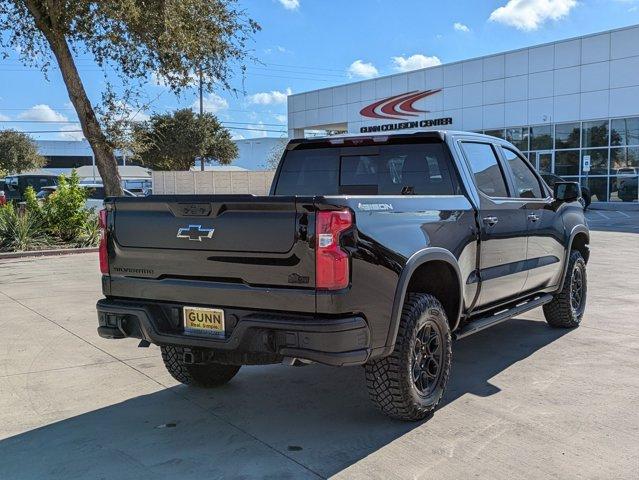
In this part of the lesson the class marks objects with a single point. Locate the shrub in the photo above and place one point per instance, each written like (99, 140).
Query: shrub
(21, 231)
(90, 233)
(64, 210)
(31, 201)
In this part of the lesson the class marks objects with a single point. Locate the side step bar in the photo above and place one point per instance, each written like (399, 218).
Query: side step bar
(485, 322)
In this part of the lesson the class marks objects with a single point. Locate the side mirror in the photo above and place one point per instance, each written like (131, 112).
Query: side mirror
(567, 191)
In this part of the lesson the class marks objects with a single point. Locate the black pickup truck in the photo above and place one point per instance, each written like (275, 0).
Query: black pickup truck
(370, 250)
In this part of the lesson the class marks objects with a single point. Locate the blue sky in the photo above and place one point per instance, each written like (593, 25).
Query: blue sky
(309, 44)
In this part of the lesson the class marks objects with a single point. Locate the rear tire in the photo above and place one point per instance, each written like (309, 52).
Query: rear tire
(410, 382)
(210, 375)
(567, 307)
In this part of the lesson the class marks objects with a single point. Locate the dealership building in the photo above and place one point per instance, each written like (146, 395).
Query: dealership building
(571, 106)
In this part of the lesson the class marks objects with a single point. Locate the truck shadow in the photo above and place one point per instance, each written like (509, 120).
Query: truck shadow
(269, 422)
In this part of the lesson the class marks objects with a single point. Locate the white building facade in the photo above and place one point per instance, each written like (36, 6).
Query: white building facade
(571, 106)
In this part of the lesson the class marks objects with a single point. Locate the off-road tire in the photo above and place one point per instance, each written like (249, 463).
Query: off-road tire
(210, 375)
(559, 312)
(390, 379)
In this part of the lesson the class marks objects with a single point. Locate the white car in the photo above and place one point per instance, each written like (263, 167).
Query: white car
(95, 194)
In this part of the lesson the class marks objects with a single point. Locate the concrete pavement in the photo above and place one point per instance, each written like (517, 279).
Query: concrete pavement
(525, 401)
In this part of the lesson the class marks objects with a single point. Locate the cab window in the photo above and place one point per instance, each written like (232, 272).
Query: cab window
(525, 181)
(488, 175)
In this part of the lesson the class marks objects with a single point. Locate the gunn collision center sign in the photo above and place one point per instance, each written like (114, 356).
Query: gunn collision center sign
(401, 107)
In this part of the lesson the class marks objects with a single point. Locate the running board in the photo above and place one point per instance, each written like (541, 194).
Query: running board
(502, 315)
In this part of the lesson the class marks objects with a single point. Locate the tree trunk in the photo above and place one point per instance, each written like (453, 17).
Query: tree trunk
(102, 151)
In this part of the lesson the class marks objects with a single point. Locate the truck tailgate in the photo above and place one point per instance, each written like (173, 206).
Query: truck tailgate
(238, 225)
(240, 241)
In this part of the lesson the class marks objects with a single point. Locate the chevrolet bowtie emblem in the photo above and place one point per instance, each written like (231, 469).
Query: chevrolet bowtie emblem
(195, 232)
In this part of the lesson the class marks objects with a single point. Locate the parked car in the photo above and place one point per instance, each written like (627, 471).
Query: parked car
(95, 194)
(551, 179)
(627, 184)
(373, 250)
(16, 185)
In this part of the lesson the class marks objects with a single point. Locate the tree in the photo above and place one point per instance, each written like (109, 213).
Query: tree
(172, 141)
(18, 152)
(135, 38)
(275, 154)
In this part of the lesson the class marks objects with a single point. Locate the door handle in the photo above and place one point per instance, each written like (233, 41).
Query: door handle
(533, 217)
(490, 221)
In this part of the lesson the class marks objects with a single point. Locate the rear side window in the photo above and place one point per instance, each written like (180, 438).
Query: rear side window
(526, 183)
(488, 175)
(409, 169)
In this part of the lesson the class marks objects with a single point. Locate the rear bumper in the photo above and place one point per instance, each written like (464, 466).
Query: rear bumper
(331, 341)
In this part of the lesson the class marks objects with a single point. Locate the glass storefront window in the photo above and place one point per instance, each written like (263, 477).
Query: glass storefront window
(518, 137)
(598, 161)
(567, 163)
(598, 187)
(624, 131)
(544, 160)
(495, 133)
(595, 134)
(623, 188)
(622, 158)
(541, 137)
(567, 135)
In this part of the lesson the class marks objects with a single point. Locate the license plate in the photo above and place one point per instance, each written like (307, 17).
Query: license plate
(208, 321)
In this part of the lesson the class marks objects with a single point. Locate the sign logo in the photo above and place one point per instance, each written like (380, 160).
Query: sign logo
(398, 107)
(195, 232)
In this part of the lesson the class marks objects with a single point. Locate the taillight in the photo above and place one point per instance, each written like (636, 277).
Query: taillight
(104, 255)
(331, 262)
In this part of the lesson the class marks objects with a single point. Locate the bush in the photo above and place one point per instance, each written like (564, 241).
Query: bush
(90, 234)
(62, 218)
(64, 210)
(31, 201)
(21, 231)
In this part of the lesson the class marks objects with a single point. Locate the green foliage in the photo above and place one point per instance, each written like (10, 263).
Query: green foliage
(135, 38)
(64, 210)
(90, 232)
(18, 152)
(21, 231)
(31, 201)
(173, 141)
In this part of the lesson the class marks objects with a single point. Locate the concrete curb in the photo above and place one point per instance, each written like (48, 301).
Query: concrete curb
(47, 253)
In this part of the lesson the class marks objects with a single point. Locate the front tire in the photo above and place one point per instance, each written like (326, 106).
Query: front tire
(410, 382)
(206, 376)
(567, 307)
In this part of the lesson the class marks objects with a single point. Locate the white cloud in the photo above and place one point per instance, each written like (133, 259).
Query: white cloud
(460, 27)
(213, 103)
(531, 14)
(362, 69)
(274, 97)
(415, 62)
(71, 132)
(42, 113)
(237, 136)
(280, 117)
(3, 118)
(290, 4)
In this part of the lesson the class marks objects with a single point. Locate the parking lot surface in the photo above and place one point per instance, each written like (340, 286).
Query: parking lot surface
(524, 400)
